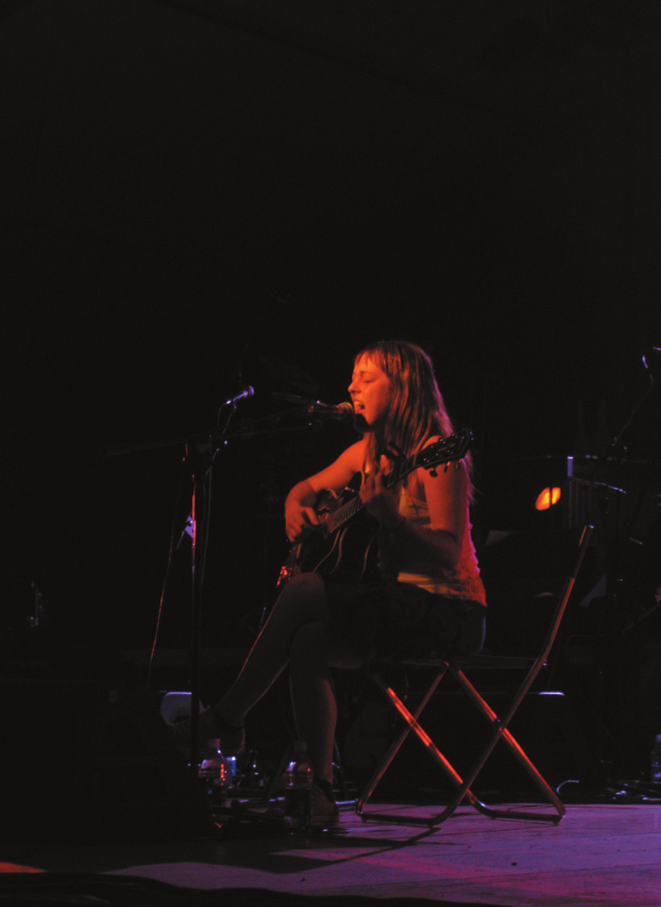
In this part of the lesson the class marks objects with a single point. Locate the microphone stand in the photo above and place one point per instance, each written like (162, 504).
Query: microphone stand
(201, 460)
(198, 458)
(201, 451)
(616, 454)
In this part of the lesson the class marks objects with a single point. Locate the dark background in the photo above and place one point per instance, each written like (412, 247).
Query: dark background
(203, 194)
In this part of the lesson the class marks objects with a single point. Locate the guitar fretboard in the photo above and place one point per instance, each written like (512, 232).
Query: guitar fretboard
(344, 513)
(351, 508)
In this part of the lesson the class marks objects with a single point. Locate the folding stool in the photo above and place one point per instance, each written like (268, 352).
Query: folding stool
(456, 667)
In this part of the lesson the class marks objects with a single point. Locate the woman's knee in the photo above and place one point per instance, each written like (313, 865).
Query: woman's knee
(304, 596)
(305, 584)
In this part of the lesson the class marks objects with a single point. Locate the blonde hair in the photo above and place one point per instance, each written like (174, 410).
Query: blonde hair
(417, 410)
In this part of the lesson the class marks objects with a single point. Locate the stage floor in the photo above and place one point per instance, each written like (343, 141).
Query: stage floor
(605, 854)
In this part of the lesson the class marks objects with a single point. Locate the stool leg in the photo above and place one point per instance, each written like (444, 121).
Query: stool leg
(396, 746)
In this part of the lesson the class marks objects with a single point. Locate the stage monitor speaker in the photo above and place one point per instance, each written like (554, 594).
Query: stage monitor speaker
(80, 761)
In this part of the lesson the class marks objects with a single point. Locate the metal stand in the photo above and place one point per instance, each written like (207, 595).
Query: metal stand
(199, 510)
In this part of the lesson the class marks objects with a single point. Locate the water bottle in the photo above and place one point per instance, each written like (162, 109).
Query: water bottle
(298, 793)
(655, 761)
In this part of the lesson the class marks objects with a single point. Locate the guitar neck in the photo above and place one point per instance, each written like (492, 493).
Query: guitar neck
(444, 450)
(347, 511)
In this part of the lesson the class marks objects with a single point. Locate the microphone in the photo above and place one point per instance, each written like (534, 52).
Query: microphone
(343, 412)
(243, 394)
(318, 410)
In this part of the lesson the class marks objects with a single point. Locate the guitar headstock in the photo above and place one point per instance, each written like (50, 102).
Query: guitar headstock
(454, 447)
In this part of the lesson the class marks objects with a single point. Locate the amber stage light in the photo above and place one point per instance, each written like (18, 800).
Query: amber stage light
(547, 498)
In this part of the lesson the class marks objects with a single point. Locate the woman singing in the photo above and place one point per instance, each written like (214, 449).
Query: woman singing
(427, 595)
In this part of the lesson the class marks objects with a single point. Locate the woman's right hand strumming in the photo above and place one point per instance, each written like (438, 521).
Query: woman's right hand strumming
(300, 515)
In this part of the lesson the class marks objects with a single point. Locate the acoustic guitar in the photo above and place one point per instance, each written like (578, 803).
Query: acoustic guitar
(343, 546)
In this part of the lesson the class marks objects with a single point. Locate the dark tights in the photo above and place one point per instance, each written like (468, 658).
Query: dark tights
(299, 632)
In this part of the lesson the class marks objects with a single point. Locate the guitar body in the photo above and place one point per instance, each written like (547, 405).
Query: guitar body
(345, 555)
(344, 548)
